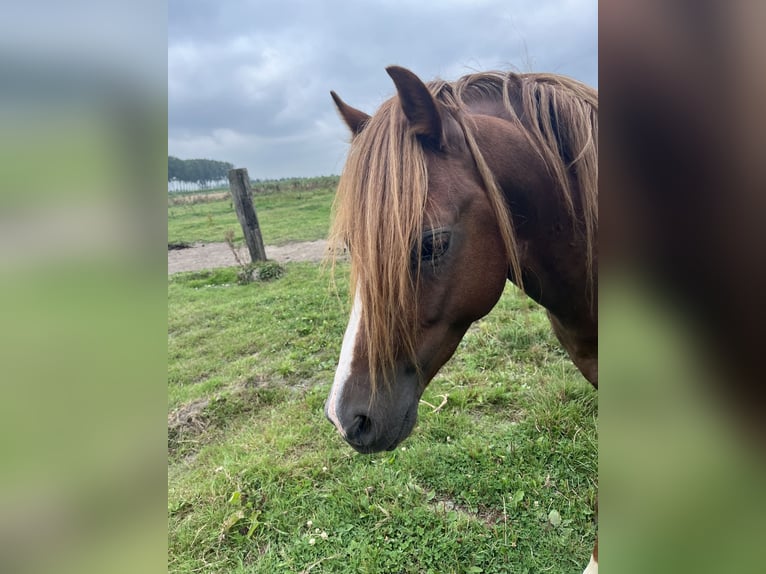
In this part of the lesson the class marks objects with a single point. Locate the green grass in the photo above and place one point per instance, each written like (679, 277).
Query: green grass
(501, 479)
(300, 215)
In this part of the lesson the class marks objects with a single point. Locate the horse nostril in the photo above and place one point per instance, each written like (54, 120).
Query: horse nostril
(362, 426)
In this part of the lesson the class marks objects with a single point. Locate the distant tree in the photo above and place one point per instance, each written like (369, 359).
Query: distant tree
(175, 169)
(198, 171)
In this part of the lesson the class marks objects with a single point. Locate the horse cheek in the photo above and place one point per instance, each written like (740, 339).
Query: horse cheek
(483, 284)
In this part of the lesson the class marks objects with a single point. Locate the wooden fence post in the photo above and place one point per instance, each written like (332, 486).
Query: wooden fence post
(242, 194)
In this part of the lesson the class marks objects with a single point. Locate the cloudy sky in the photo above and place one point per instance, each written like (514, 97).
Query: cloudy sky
(249, 81)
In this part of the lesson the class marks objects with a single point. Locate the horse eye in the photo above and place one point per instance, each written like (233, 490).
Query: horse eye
(434, 246)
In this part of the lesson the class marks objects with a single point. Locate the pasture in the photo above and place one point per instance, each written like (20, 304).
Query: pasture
(295, 214)
(497, 476)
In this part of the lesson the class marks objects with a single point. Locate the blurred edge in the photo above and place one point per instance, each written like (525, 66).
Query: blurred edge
(82, 287)
(682, 426)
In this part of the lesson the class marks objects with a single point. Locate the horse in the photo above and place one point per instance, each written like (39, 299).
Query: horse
(449, 190)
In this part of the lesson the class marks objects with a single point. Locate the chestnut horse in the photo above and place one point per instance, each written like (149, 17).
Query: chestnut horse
(449, 190)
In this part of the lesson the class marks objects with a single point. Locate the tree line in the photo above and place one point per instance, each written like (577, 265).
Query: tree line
(199, 171)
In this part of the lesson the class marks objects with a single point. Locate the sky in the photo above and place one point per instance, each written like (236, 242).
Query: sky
(249, 81)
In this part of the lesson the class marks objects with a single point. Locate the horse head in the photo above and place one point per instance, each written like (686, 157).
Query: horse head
(429, 256)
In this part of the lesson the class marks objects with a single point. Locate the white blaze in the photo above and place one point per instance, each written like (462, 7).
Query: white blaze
(343, 372)
(592, 567)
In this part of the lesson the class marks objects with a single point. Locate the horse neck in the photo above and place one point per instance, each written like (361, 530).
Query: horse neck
(553, 261)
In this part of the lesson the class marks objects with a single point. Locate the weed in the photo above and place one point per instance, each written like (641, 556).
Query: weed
(245, 273)
(255, 271)
(267, 271)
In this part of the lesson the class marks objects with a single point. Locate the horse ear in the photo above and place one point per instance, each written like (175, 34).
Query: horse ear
(418, 105)
(355, 119)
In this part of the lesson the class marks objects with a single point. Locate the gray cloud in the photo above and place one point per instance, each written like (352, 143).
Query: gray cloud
(249, 82)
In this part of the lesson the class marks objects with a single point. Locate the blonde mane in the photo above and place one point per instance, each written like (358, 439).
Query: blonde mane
(380, 206)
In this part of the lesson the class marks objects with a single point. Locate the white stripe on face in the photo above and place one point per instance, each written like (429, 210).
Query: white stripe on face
(343, 372)
(592, 567)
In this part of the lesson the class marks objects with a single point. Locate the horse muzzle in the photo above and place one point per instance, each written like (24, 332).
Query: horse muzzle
(368, 434)
(375, 425)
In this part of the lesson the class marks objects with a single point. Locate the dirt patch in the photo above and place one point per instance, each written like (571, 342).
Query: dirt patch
(186, 422)
(200, 256)
(188, 416)
(490, 517)
(201, 420)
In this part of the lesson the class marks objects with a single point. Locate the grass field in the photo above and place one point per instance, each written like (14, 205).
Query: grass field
(501, 479)
(292, 215)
